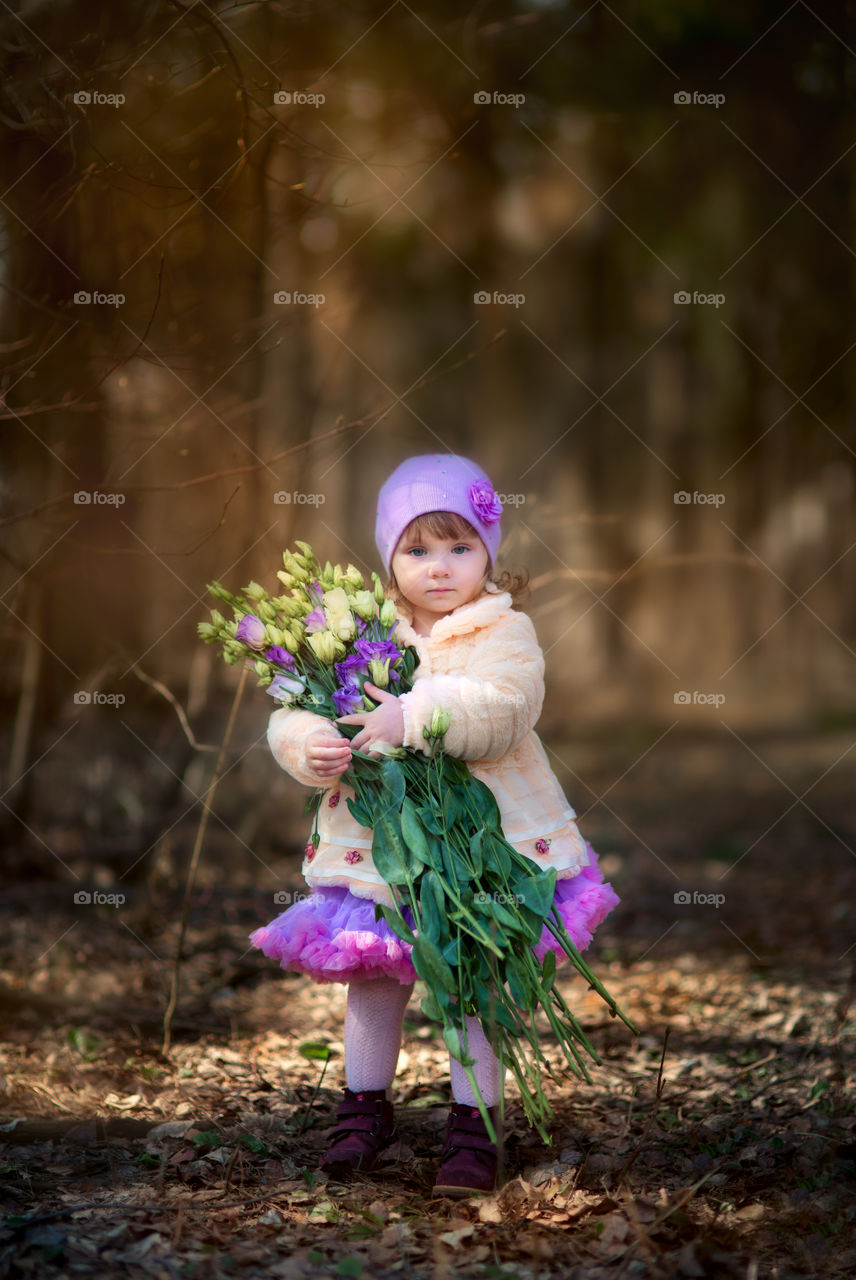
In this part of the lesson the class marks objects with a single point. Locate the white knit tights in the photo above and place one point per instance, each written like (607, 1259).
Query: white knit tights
(489, 1074)
(373, 1024)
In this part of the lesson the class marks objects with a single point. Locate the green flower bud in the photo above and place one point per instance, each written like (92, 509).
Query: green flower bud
(379, 673)
(379, 593)
(255, 592)
(440, 721)
(354, 577)
(388, 613)
(363, 603)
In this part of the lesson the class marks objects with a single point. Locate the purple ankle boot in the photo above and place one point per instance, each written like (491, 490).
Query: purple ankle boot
(366, 1125)
(469, 1158)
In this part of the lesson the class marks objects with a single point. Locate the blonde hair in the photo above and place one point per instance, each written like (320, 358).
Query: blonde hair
(448, 524)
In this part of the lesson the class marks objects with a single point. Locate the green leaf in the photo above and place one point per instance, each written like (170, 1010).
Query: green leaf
(451, 807)
(477, 841)
(360, 812)
(484, 802)
(350, 1267)
(413, 832)
(548, 970)
(314, 1050)
(430, 965)
(454, 1044)
(392, 776)
(432, 901)
(388, 851)
(537, 892)
(397, 924)
(431, 819)
(453, 864)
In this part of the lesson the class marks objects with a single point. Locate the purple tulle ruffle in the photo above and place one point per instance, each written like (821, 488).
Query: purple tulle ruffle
(332, 935)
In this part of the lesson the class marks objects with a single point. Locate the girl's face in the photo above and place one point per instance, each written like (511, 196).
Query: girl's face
(437, 575)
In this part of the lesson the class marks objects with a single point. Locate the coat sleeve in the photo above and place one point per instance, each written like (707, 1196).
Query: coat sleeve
(492, 706)
(288, 729)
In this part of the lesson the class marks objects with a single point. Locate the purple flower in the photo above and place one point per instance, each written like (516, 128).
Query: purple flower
(315, 621)
(280, 656)
(486, 504)
(347, 699)
(378, 650)
(251, 630)
(284, 687)
(350, 666)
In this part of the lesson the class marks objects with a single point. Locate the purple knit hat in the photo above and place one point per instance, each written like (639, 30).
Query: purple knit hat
(436, 482)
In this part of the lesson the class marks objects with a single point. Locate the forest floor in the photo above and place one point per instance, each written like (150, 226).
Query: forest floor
(720, 1142)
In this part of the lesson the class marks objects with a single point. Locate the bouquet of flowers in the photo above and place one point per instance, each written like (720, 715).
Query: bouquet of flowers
(476, 906)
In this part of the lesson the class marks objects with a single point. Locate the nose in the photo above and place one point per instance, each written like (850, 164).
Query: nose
(439, 568)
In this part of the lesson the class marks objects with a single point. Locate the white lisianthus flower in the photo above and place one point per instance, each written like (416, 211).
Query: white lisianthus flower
(363, 603)
(338, 613)
(326, 647)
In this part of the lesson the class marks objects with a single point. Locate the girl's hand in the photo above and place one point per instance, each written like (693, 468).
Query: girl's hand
(328, 756)
(384, 724)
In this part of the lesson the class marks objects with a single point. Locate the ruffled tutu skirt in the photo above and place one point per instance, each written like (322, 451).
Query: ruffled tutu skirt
(332, 935)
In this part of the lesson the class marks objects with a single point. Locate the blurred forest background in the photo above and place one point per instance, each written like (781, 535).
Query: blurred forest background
(253, 256)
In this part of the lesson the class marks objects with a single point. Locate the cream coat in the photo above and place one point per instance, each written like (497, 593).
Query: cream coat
(483, 665)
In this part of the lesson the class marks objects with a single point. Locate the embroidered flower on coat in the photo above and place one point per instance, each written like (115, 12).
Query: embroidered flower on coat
(334, 799)
(352, 857)
(542, 846)
(309, 851)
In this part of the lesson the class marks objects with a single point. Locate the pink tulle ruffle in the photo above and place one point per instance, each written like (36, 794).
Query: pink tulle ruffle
(332, 935)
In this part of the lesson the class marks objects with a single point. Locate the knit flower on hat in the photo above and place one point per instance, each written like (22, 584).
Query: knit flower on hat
(486, 504)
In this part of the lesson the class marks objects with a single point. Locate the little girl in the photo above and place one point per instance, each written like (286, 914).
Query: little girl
(437, 533)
